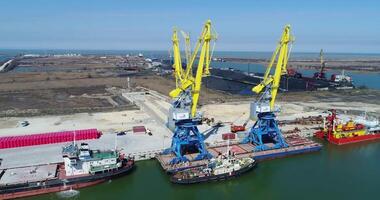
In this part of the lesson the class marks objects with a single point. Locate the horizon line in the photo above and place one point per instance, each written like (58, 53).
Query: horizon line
(248, 51)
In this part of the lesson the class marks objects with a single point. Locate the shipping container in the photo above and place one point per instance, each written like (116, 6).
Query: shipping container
(228, 136)
(139, 129)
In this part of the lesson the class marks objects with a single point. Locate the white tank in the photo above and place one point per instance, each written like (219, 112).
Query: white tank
(366, 121)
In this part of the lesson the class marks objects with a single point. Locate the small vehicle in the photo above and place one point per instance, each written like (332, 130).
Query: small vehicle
(24, 123)
(149, 132)
(121, 133)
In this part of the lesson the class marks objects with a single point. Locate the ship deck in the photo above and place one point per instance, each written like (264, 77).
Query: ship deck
(31, 174)
(297, 145)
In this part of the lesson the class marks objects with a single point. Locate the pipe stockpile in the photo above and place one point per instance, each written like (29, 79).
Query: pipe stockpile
(47, 138)
(303, 121)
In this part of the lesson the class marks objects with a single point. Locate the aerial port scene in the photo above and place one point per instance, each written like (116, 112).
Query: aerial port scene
(260, 100)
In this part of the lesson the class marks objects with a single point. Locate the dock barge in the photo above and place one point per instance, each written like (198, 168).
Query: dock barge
(297, 145)
(238, 82)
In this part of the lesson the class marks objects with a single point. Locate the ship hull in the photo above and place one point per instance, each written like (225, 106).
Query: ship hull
(286, 153)
(57, 185)
(237, 82)
(213, 178)
(350, 140)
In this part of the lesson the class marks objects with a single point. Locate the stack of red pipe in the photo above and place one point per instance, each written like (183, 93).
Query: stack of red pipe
(47, 138)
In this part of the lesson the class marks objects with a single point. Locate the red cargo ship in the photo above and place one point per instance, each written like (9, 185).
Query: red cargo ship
(350, 132)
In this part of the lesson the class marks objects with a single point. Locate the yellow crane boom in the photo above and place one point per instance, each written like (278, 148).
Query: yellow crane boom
(186, 36)
(177, 64)
(282, 55)
(186, 79)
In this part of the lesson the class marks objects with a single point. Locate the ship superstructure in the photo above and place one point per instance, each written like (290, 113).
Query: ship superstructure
(82, 160)
(223, 167)
(228, 164)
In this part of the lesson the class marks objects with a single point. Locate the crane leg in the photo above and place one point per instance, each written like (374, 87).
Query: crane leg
(265, 132)
(187, 139)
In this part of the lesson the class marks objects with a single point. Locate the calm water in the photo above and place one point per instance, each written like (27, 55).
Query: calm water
(337, 172)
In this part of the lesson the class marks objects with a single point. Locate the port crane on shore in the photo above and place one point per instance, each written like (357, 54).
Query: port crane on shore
(266, 130)
(183, 116)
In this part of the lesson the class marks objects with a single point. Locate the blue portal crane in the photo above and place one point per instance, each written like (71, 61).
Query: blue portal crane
(265, 131)
(183, 116)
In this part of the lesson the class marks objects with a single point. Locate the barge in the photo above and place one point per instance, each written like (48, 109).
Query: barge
(81, 167)
(297, 145)
(238, 82)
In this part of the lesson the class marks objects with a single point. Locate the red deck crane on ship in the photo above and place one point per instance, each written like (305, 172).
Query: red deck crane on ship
(321, 74)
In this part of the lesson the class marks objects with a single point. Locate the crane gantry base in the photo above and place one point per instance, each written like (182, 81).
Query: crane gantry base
(265, 131)
(187, 138)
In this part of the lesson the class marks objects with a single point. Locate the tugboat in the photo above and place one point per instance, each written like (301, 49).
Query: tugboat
(81, 167)
(221, 168)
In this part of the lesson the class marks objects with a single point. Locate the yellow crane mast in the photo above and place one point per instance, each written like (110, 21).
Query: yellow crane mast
(281, 53)
(185, 79)
(179, 73)
(186, 36)
(177, 60)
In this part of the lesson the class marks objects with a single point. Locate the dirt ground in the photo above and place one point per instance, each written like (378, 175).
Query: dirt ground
(79, 94)
(165, 84)
(63, 83)
(61, 92)
(61, 101)
(83, 62)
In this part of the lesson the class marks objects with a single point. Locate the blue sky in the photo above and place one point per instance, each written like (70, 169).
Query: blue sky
(336, 26)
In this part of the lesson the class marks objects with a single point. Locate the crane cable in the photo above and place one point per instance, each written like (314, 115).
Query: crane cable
(214, 43)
